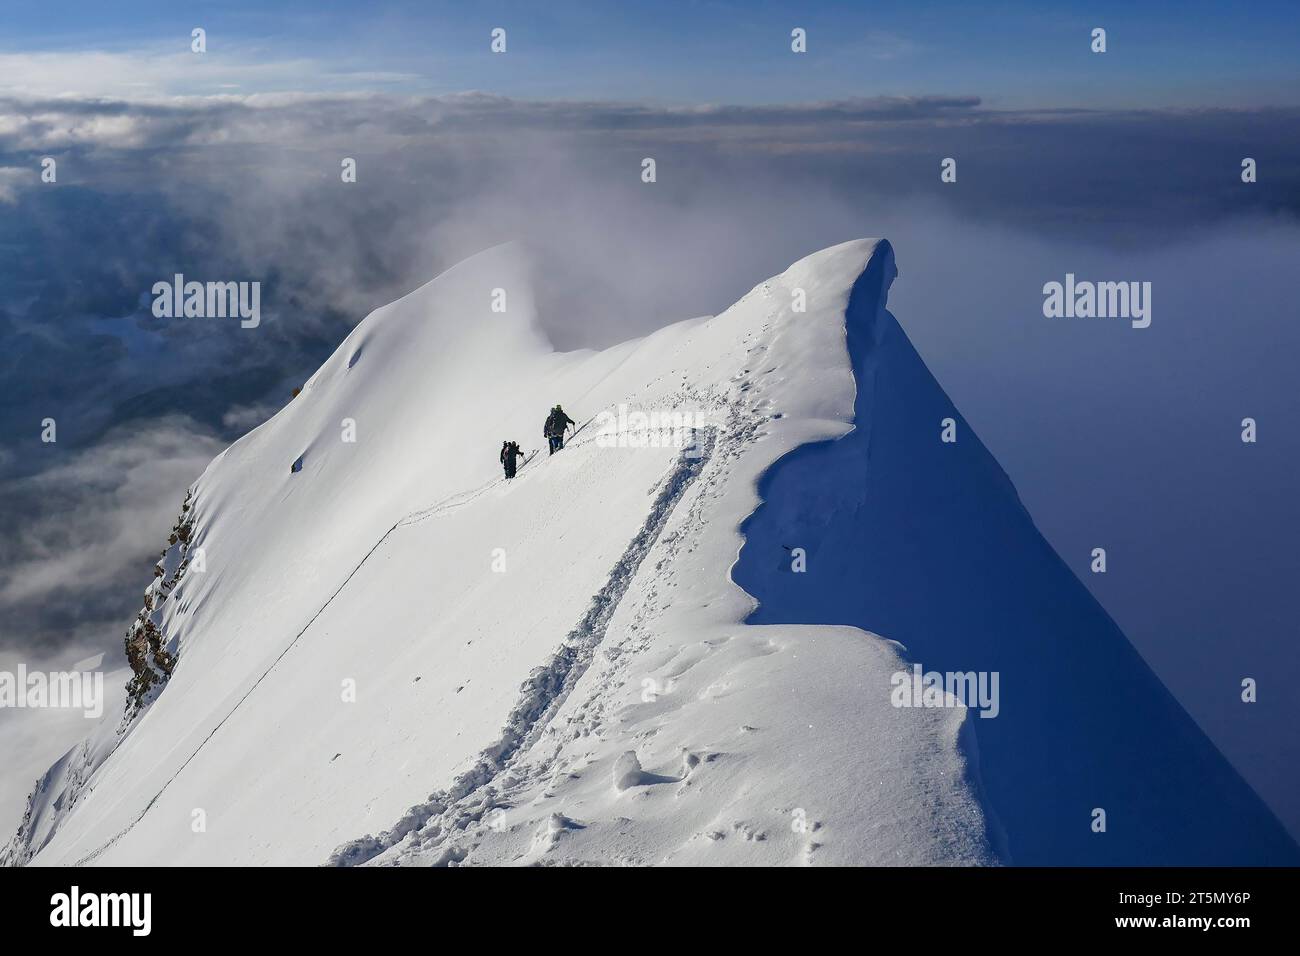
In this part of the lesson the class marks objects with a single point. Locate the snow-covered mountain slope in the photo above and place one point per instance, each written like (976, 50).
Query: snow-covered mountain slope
(27, 733)
(402, 566)
(389, 655)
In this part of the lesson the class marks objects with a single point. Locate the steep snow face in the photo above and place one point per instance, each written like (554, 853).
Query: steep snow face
(1090, 760)
(393, 656)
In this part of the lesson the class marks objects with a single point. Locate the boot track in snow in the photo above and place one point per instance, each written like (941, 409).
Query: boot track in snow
(547, 686)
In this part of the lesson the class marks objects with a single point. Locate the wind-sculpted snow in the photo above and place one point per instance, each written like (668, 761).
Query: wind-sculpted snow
(929, 544)
(364, 624)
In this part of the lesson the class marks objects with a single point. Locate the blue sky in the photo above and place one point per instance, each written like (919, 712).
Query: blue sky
(1012, 54)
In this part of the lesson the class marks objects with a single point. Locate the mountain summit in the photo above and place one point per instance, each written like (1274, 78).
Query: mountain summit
(655, 645)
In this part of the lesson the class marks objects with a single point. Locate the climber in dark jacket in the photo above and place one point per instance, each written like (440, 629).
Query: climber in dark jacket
(556, 422)
(509, 453)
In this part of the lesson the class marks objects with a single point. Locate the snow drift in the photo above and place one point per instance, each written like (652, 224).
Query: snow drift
(392, 656)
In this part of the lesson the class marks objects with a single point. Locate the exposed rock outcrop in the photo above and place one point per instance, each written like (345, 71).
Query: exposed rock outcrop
(150, 651)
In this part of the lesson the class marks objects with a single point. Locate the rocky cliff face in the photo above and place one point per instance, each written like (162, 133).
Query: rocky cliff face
(149, 651)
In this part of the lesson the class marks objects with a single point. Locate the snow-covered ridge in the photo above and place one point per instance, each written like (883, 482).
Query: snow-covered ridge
(371, 568)
(395, 657)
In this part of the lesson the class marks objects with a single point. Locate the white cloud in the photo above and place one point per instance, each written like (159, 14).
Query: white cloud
(162, 73)
(121, 496)
(247, 417)
(13, 178)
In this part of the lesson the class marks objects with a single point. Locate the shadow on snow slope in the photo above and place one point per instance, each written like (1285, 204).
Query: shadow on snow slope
(928, 544)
